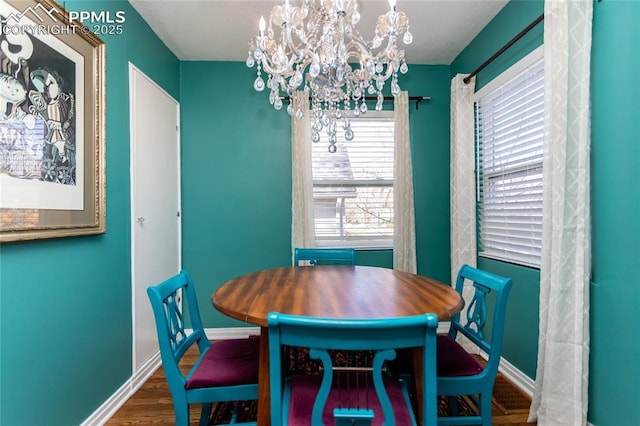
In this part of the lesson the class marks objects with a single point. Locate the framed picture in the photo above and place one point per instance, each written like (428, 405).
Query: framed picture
(52, 177)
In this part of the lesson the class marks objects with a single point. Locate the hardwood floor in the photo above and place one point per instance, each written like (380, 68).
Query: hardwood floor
(152, 403)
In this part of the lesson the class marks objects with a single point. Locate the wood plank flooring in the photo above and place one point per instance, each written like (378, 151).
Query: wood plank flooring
(152, 403)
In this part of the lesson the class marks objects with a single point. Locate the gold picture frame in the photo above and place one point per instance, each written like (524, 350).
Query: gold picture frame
(52, 124)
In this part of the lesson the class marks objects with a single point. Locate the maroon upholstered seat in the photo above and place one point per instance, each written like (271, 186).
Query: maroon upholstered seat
(454, 360)
(227, 362)
(305, 388)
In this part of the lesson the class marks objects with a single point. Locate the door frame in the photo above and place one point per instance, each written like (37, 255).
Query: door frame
(141, 373)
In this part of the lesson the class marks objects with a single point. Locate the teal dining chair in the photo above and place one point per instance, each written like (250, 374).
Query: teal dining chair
(339, 394)
(226, 370)
(324, 256)
(459, 372)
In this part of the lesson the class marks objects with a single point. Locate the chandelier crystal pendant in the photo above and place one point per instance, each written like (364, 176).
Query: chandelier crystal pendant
(317, 46)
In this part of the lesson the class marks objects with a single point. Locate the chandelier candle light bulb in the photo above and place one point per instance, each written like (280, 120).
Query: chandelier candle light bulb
(262, 25)
(320, 38)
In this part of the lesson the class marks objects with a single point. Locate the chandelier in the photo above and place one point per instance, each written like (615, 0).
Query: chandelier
(320, 38)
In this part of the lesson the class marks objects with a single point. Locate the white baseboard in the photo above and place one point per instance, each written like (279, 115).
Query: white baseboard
(443, 328)
(122, 395)
(521, 380)
(231, 332)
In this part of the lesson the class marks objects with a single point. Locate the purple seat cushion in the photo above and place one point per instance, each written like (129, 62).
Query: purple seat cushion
(454, 360)
(227, 362)
(305, 388)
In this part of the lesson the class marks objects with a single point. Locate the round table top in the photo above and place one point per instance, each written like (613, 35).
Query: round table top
(355, 292)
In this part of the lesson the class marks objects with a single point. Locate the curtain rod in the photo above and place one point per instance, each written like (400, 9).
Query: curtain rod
(418, 99)
(505, 47)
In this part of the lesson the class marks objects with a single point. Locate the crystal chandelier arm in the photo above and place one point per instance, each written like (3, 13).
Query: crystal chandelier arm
(359, 44)
(320, 38)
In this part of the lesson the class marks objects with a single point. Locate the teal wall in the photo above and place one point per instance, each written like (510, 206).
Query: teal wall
(235, 186)
(236, 177)
(615, 173)
(65, 304)
(615, 169)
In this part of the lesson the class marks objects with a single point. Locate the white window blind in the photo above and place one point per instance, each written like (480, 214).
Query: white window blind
(353, 187)
(510, 133)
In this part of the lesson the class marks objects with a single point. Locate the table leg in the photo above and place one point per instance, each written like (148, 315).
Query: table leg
(417, 377)
(264, 400)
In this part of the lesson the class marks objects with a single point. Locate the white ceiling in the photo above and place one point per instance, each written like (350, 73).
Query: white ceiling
(219, 30)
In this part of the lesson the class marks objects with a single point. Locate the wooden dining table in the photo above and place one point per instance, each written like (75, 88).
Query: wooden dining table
(346, 292)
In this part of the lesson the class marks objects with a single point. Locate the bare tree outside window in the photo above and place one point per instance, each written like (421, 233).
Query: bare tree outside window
(353, 187)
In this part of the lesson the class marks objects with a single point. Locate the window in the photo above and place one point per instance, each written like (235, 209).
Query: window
(353, 187)
(510, 135)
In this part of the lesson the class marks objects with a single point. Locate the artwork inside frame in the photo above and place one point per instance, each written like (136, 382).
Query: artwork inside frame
(52, 107)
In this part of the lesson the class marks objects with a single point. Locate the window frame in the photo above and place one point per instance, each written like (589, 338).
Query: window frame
(361, 243)
(523, 65)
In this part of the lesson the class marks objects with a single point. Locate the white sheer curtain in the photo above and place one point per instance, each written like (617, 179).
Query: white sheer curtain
(302, 224)
(463, 185)
(560, 396)
(404, 239)
(462, 176)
